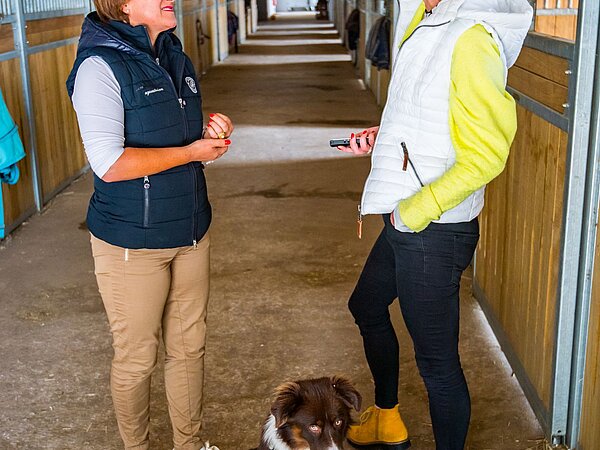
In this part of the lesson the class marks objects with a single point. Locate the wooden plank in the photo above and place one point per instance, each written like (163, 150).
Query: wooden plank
(7, 41)
(545, 24)
(60, 151)
(17, 198)
(590, 414)
(544, 65)
(541, 89)
(548, 259)
(539, 134)
(566, 27)
(558, 145)
(52, 30)
(197, 47)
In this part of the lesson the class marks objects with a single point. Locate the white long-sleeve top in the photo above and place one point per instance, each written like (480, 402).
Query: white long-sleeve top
(100, 113)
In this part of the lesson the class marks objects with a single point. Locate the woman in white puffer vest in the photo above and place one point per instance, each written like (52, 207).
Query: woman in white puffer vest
(445, 133)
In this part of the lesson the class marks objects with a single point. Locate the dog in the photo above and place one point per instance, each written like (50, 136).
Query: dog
(310, 415)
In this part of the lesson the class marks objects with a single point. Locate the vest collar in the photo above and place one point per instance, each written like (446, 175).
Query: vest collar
(120, 35)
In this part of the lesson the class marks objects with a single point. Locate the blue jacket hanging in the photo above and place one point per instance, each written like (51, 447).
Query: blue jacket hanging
(11, 148)
(11, 152)
(378, 44)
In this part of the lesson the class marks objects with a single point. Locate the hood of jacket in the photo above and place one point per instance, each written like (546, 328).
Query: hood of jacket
(510, 20)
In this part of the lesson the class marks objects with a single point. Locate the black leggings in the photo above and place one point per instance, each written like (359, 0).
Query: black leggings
(423, 271)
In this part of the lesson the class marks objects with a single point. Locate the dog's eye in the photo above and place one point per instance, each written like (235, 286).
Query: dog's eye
(338, 423)
(315, 429)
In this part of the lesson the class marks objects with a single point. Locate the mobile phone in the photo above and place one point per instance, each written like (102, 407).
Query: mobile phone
(344, 142)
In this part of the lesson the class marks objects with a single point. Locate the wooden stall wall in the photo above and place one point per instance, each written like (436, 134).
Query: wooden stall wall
(222, 30)
(564, 26)
(59, 148)
(7, 43)
(377, 80)
(211, 29)
(518, 254)
(589, 438)
(197, 40)
(517, 260)
(241, 13)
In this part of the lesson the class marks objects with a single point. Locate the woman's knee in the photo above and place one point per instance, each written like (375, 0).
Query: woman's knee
(441, 374)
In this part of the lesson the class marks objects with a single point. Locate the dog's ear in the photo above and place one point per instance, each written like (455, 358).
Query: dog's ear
(287, 399)
(348, 393)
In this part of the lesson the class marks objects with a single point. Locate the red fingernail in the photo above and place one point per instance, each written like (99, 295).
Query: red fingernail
(211, 115)
(352, 135)
(227, 142)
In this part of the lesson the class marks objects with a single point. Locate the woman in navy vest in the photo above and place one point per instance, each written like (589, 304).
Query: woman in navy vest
(140, 114)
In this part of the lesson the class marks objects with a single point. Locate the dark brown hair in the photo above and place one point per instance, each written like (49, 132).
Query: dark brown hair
(111, 10)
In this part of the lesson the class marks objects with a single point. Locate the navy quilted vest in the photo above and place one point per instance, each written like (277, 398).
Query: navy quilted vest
(163, 108)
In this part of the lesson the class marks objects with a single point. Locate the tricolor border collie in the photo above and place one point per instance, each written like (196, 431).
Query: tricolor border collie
(310, 415)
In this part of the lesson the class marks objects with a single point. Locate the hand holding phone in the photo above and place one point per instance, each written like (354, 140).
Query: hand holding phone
(359, 144)
(344, 142)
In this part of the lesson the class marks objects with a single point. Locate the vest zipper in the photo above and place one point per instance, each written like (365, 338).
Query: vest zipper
(408, 161)
(146, 201)
(195, 187)
(359, 223)
(422, 26)
(182, 105)
(181, 101)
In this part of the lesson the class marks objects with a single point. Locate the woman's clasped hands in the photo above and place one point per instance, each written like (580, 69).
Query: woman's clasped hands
(215, 140)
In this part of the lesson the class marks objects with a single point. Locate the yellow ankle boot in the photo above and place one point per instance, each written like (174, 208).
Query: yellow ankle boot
(380, 426)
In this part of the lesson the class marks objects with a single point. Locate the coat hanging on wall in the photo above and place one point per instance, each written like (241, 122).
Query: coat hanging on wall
(11, 152)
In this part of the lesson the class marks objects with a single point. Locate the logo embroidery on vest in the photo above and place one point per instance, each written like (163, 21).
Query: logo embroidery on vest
(153, 91)
(192, 84)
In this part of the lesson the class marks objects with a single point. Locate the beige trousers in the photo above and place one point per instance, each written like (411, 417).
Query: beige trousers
(146, 292)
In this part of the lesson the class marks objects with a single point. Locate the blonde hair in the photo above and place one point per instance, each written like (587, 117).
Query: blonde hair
(111, 10)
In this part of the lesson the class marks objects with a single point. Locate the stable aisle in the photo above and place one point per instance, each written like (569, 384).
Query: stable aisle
(285, 258)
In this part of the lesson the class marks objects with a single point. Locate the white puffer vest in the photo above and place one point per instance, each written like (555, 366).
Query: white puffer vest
(414, 147)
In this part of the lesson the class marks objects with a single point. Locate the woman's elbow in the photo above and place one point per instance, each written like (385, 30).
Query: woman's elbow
(110, 176)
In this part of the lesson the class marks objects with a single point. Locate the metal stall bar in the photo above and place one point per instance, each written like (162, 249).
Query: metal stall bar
(581, 107)
(590, 221)
(365, 8)
(21, 46)
(218, 35)
(180, 30)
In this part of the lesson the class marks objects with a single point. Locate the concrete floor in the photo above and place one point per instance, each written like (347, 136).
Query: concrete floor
(285, 258)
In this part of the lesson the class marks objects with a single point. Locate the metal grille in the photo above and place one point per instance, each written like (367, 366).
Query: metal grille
(42, 7)
(6, 8)
(38, 6)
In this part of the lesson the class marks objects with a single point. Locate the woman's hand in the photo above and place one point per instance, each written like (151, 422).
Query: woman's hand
(206, 150)
(219, 126)
(366, 140)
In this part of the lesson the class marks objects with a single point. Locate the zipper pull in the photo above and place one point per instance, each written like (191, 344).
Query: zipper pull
(181, 103)
(405, 150)
(146, 182)
(195, 242)
(359, 223)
